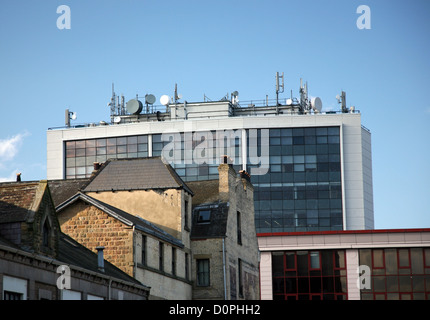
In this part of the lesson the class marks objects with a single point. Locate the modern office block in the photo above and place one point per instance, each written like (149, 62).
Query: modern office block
(312, 170)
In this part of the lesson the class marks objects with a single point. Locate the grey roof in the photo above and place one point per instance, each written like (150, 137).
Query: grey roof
(135, 174)
(73, 253)
(126, 218)
(62, 190)
(217, 225)
(16, 201)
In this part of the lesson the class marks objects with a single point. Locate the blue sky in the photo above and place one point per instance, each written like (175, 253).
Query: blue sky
(215, 47)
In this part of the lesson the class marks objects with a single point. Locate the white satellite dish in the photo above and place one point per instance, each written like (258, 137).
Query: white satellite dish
(73, 115)
(316, 104)
(289, 102)
(164, 100)
(117, 119)
(150, 99)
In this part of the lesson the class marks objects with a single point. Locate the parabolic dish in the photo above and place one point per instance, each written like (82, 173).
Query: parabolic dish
(134, 106)
(150, 99)
(316, 104)
(164, 100)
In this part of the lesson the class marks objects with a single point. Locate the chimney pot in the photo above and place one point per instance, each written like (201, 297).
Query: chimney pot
(97, 165)
(18, 177)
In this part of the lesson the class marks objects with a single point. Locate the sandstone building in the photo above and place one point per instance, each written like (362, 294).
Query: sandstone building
(140, 211)
(223, 238)
(35, 256)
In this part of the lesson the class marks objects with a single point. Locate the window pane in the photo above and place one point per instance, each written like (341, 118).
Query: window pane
(315, 260)
(404, 258)
(378, 258)
(204, 216)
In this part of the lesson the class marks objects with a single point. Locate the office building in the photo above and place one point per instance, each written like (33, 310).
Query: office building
(312, 170)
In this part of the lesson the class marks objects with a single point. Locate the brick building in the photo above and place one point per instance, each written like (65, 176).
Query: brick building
(33, 250)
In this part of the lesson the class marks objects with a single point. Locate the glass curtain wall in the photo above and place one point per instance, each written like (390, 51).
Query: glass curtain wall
(301, 190)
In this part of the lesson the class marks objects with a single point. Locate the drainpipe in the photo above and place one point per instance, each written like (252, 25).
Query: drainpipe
(223, 268)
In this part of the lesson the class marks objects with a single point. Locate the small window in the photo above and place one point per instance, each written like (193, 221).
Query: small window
(204, 216)
(174, 261)
(46, 232)
(144, 250)
(161, 256)
(203, 279)
(186, 215)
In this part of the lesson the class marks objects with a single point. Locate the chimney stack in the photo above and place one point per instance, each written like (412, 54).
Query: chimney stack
(100, 258)
(18, 177)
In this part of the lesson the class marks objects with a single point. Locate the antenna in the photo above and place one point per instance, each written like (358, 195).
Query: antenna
(342, 101)
(177, 96)
(279, 87)
(303, 95)
(69, 116)
(112, 103)
(235, 97)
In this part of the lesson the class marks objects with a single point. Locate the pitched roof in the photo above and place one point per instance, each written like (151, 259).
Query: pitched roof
(62, 190)
(205, 191)
(126, 218)
(135, 174)
(73, 253)
(18, 201)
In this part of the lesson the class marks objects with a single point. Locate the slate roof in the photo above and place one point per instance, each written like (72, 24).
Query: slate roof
(62, 190)
(126, 218)
(16, 201)
(73, 253)
(205, 191)
(135, 174)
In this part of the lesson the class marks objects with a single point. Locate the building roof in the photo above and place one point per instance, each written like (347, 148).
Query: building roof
(126, 218)
(135, 174)
(73, 253)
(18, 201)
(62, 190)
(205, 191)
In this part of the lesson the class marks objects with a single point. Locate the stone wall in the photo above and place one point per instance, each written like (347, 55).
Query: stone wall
(92, 227)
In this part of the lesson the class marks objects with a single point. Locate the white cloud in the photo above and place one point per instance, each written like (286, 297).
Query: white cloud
(10, 147)
(11, 177)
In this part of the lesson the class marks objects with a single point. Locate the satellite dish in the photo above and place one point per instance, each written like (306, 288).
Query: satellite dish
(117, 119)
(150, 99)
(73, 116)
(164, 100)
(235, 93)
(316, 104)
(134, 106)
(289, 102)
